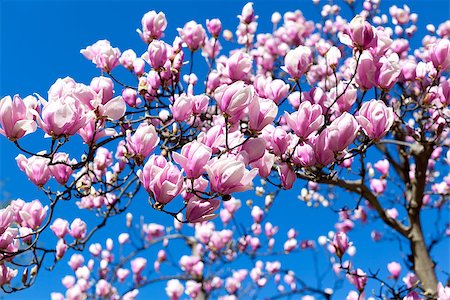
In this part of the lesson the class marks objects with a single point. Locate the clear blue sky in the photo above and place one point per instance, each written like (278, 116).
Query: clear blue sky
(40, 42)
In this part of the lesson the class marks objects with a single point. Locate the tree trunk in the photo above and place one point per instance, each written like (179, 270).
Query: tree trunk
(423, 264)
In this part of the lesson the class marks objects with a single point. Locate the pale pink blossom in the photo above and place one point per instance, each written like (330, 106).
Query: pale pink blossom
(198, 210)
(16, 119)
(60, 227)
(228, 175)
(153, 26)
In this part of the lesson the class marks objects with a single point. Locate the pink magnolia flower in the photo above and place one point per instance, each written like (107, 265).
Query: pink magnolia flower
(342, 132)
(392, 212)
(410, 280)
(130, 96)
(332, 57)
(193, 158)
(298, 61)
(35, 167)
(388, 71)
(440, 54)
(158, 53)
(16, 119)
(238, 66)
(61, 167)
(102, 288)
(290, 245)
(61, 248)
(174, 289)
(214, 27)
(6, 218)
(443, 292)
(193, 35)
(142, 142)
(340, 243)
(153, 230)
(127, 59)
(151, 169)
(257, 214)
(375, 118)
(8, 239)
(123, 238)
(278, 139)
(78, 229)
(248, 14)
(360, 34)
(63, 116)
(287, 175)
(199, 210)
(264, 164)
(103, 55)
(304, 155)
(95, 249)
(395, 269)
(6, 275)
(76, 261)
(378, 186)
(153, 26)
(193, 288)
(261, 112)
(322, 149)
(60, 227)
(201, 103)
(382, 166)
(122, 274)
(367, 71)
(358, 278)
(138, 265)
(306, 120)
(233, 99)
(228, 175)
(183, 107)
(103, 86)
(167, 184)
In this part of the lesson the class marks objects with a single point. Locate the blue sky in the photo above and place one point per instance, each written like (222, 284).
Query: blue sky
(40, 42)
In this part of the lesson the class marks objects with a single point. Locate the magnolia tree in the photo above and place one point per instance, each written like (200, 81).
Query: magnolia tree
(345, 106)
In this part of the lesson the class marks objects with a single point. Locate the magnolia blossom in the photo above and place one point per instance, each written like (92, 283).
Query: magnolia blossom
(174, 289)
(395, 269)
(158, 53)
(142, 142)
(103, 55)
(33, 214)
(360, 34)
(193, 35)
(199, 210)
(306, 120)
(163, 179)
(298, 61)
(60, 227)
(342, 132)
(78, 229)
(358, 278)
(228, 175)
(375, 118)
(63, 116)
(233, 99)
(36, 168)
(153, 26)
(340, 243)
(16, 119)
(261, 112)
(193, 158)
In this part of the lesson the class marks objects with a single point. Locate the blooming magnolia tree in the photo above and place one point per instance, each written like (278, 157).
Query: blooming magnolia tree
(345, 106)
